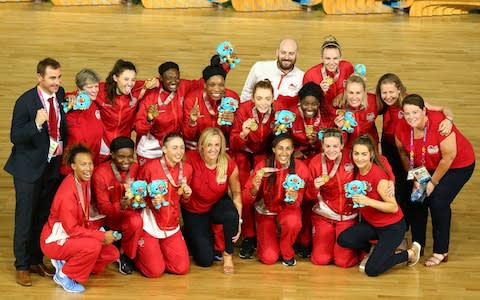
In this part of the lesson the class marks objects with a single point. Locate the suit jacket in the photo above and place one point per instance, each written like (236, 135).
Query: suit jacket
(28, 159)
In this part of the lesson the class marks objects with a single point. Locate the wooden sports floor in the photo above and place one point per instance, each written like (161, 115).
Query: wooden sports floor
(437, 57)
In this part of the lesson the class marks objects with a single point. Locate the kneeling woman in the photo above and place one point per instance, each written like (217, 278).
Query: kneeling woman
(382, 219)
(163, 246)
(75, 249)
(333, 212)
(214, 173)
(276, 205)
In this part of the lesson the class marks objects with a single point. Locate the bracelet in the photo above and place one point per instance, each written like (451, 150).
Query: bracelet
(435, 183)
(449, 118)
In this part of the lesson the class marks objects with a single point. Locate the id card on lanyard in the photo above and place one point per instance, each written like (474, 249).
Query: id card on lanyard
(420, 173)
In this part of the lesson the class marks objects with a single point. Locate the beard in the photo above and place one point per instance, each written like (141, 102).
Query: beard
(285, 65)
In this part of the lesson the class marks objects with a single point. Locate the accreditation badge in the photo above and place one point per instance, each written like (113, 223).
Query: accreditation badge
(52, 149)
(410, 175)
(422, 175)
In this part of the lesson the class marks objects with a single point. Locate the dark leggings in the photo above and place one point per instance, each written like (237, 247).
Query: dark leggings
(439, 204)
(383, 256)
(403, 188)
(198, 232)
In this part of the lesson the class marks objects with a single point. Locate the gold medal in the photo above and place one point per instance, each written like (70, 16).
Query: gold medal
(180, 191)
(154, 110)
(329, 80)
(325, 178)
(260, 173)
(150, 83)
(309, 130)
(253, 126)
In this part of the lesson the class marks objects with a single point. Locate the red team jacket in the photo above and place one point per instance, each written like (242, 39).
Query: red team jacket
(167, 217)
(170, 116)
(274, 199)
(108, 190)
(118, 117)
(205, 120)
(315, 74)
(332, 192)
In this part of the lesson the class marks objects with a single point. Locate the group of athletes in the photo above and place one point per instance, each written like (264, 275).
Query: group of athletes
(292, 166)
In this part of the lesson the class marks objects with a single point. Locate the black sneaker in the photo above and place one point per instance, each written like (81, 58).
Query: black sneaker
(303, 251)
(125, 266)
(247, 248)
(217, 255)
(289, 262)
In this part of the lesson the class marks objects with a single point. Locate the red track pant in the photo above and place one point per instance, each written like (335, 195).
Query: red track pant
(305, 235)
(155, 256)
(269, 245)
(244, 163)
(82, 256)
(325, 247)
(130, 223)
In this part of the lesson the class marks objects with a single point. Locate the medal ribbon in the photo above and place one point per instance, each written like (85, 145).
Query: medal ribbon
(424, 147)
(325, 75)
(266, 116)
(335, 166)
(118, 176)
(82, 199)
(167, 100)
(181, 179)
(211, 111)
(316, 121)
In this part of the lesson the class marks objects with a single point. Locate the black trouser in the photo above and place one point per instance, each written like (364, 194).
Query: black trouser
(439, 204)
(198, 232)
(403, 187)
(383, 256)
(32, 207)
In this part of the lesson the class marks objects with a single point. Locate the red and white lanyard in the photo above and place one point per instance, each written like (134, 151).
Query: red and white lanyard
(181, 179)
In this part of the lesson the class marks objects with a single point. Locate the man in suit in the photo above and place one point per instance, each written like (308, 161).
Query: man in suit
(38, 134)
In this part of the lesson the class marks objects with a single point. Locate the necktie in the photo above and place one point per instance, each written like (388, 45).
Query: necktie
(52, 120)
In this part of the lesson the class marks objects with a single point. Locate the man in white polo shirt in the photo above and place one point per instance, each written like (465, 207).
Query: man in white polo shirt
(286, 78)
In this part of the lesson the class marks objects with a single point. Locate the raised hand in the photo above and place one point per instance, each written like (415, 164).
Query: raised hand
(41, 117)
(325, 85)
(194, 112)
(152, 83)
(152, 112)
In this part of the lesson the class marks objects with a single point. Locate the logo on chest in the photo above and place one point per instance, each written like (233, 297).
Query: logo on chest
(370, 117)
(348, 167)
(432, 149)
(292, 87)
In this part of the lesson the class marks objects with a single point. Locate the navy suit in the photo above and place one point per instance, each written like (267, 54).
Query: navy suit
(35, 179)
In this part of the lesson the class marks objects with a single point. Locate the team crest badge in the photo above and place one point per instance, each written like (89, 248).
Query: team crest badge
(431, 149)
(348, 167)
(371, 117)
